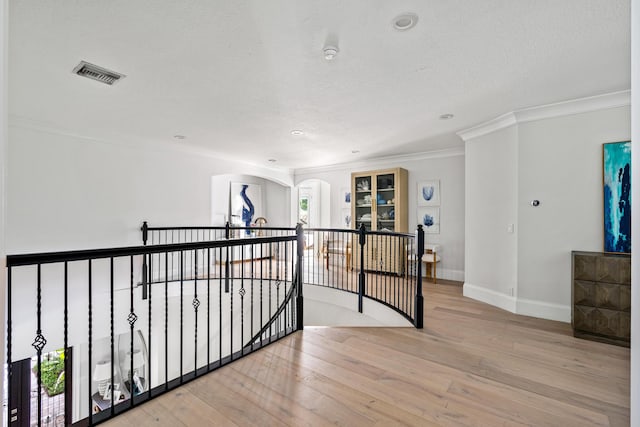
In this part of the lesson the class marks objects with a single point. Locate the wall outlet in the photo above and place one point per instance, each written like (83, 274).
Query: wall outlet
(510, 228)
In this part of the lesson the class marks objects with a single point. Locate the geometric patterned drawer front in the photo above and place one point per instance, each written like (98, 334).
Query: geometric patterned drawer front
(624, 266)
(624, 330)
(601, 296)
(608, 296)
(606, 322)
(583, 318)
(607, 270)
(584, 293)
(625, 298)
(584, 267)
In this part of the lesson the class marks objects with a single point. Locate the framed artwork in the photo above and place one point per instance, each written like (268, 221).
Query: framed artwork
(346, 218)
(617, 196)
(429, 218)
(115, 391)
(345, 196)
(245, 204)
(428, 193)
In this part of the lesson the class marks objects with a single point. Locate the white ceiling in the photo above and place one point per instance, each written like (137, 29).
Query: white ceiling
(235, 77)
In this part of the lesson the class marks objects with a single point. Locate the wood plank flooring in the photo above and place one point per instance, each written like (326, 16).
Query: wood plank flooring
(472, 365)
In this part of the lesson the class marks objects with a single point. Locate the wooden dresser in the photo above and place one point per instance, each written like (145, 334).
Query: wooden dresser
(601, 297)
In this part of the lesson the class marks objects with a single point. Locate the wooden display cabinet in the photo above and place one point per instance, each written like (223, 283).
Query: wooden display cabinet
(379, 202)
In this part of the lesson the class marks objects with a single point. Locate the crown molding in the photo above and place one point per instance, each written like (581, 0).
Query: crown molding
(373, 162)
(501, 122)
(558, 109)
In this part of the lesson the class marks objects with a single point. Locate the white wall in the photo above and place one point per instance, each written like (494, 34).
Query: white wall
(635, 212)
(554, 157)
(447, 167)
(560, 163)
(491, 170)
(67, 192)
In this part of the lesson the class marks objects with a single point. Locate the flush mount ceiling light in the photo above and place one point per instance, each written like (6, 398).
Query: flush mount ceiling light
(272, 160)
(446, 116)
(179, 137)
(405, 21)
(297, 132)
(330, 52)
(99, 74)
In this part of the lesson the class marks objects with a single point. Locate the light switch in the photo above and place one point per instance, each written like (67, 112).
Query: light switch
(510, 228)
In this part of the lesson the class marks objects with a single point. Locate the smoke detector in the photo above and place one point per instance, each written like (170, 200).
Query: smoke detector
(94, 72)
(330, 52)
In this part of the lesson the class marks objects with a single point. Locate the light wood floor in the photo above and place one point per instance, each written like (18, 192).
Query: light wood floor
(472, 365)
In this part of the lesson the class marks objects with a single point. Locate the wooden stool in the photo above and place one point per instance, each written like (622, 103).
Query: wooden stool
(430, 260)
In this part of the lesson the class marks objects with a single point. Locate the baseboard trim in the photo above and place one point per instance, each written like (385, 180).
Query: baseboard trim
(544, 310)
(489, 296)
(523, 306)
(446, 274)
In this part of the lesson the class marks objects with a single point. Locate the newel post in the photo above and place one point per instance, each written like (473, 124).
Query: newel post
(362, 240)
(299, 279)
(419, 308)
(145, 233)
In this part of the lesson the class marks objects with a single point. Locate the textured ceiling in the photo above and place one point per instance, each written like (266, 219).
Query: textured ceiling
(235, 77)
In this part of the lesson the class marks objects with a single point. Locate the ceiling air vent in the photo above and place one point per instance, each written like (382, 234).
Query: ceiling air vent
(94, 72)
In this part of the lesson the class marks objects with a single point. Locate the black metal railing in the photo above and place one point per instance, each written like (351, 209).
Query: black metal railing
(135, 322)
(381, 266)
(124, 325)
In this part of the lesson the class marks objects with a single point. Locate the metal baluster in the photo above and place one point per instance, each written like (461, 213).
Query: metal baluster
(150, 358)
(209, 306)
(196, 304)
(111, 328)
(132, 320)
(67, 351)
(181, 313)
(166, 321)
(9, 343)
(90, 365)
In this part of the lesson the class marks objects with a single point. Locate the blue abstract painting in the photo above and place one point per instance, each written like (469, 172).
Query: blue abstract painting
(246, 203)
(429, 193)
(429, 218)
(617, 197)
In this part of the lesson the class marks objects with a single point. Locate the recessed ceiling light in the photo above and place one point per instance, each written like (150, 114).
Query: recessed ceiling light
(446, 116)
(297, 132)
(272, 160)
(179, 137)
(405, 21)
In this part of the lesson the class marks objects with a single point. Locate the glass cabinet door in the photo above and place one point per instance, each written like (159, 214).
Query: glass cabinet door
(385, 196)
(364, 202)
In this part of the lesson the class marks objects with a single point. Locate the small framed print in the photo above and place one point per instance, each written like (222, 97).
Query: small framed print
(345, 195)
(137, 384)
(429, 218)
(428, 193)
(109, 391)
